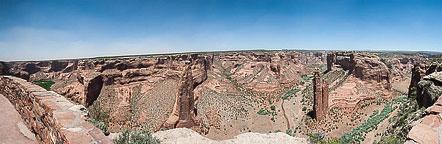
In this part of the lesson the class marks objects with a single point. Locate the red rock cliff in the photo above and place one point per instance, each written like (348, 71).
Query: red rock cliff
(367, 67)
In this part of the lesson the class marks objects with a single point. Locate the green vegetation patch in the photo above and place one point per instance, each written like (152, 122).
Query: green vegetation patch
(46, 84)
(277, 131)
(400, 99)
(305, 77)
(263, 112)
(289, 93)
(357, 135)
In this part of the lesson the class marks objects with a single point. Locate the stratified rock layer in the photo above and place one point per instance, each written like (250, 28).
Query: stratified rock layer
(367, 67)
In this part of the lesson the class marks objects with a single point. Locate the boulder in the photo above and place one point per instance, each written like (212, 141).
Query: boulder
(429, 89)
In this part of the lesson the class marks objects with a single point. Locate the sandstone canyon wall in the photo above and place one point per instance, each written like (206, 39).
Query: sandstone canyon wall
(365, 66)
(145, 91)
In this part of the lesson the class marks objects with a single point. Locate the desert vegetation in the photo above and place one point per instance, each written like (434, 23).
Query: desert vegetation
(136, 137)
(99, 117)
(46, 84)
(408, 112)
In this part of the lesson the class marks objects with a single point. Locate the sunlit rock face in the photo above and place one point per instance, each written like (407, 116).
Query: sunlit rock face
(367, 67)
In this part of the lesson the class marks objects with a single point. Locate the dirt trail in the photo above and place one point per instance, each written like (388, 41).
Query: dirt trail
(12, 129)
(285, 115)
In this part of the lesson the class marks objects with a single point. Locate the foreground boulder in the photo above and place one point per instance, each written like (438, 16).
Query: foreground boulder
(429, 89)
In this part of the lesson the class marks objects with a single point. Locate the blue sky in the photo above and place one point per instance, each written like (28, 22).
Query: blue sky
(39, 30)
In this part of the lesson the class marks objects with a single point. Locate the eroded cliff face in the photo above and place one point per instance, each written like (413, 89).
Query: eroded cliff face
(367, 67)
(183, 114)
(399, 67)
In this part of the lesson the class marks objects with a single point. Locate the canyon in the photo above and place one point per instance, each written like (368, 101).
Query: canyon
(220, 95)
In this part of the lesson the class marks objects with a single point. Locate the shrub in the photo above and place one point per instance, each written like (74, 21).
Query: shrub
(97, 112)
(318, 138)
(389, 140)
(273, 108)
(98, 117)
(263, 112)
(136, 137)
(100, 125)
(277, 131)
(289, 132)
(304, 109)
(400, 99)
(305, 77)
(289, 93)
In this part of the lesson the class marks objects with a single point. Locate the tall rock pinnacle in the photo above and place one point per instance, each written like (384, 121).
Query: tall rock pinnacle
(320, 99)
(183, 113)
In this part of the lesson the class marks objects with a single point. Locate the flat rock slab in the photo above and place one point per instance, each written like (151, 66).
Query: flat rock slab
(12, 129)
(424, 134)
(188, 136)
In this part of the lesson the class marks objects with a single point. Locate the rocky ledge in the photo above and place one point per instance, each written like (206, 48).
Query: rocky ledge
(429, 129)
(188, 136)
